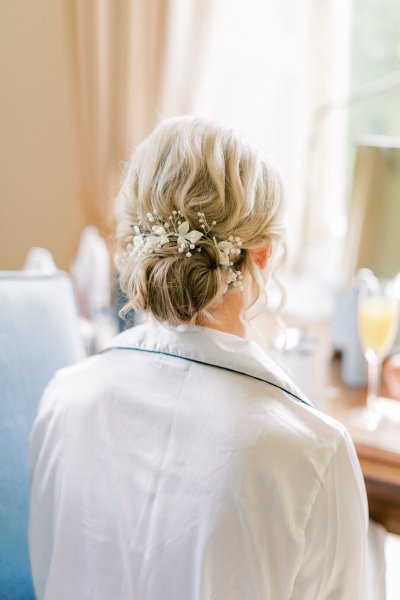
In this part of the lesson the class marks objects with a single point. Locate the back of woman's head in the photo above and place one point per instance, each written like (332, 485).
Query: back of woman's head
(191, 177)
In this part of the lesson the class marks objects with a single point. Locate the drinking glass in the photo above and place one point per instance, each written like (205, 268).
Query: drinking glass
(378, 317)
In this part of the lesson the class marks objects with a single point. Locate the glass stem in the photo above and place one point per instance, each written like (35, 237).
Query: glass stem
(374, 371)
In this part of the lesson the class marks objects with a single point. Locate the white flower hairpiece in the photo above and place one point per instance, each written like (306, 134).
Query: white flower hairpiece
(150, 237)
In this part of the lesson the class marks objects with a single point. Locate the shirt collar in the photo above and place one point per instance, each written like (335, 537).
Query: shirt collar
(208, 346)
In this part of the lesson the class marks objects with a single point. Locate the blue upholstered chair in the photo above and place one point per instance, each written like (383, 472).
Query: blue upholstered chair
(38, 335)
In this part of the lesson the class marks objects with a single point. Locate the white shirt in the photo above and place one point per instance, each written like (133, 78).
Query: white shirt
(167, 468)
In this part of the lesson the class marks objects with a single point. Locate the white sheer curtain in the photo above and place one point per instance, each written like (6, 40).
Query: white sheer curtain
(132, 61)
(117, 52)
(270, 69)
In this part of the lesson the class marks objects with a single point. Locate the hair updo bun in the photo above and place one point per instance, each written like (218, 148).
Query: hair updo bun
(192, 167)
(174, 288)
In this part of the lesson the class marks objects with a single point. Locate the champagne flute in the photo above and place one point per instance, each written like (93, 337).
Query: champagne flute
(378, 316)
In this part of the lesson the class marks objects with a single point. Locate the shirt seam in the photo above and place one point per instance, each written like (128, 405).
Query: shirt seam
(341, 439)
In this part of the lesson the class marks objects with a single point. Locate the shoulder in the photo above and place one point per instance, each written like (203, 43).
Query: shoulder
(297, 437)
(90, 384)
(76, 386)
(92, 369)
(71, 403)
(310, 455)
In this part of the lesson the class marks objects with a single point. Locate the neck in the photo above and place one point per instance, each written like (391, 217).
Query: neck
(229, 315)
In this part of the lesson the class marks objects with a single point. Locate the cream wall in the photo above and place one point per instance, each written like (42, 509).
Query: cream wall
(39, 203)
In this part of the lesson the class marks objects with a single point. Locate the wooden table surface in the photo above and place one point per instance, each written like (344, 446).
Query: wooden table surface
(318, 374)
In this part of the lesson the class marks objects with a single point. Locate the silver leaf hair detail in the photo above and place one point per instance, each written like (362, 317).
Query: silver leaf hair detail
(150, 237)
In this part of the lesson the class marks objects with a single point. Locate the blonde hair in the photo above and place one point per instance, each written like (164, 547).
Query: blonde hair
(192, 164)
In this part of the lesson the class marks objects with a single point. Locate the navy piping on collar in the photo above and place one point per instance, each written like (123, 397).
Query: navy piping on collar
(201, 362)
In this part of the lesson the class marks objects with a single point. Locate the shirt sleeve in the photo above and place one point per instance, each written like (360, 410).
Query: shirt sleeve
(43, 492)
(335, 551)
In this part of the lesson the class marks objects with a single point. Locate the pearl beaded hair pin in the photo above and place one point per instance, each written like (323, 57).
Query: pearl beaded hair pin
(150, 237)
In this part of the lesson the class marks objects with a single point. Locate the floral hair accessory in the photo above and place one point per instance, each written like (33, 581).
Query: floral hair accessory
(151, 236)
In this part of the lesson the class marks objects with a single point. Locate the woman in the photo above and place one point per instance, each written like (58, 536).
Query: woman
(182, 463)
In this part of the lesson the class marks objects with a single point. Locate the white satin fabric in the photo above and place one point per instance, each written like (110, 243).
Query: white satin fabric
(159, 477)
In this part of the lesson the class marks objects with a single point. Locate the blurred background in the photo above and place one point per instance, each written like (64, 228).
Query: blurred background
(314, 83)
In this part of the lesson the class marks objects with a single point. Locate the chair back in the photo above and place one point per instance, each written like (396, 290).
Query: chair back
(39, 334)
